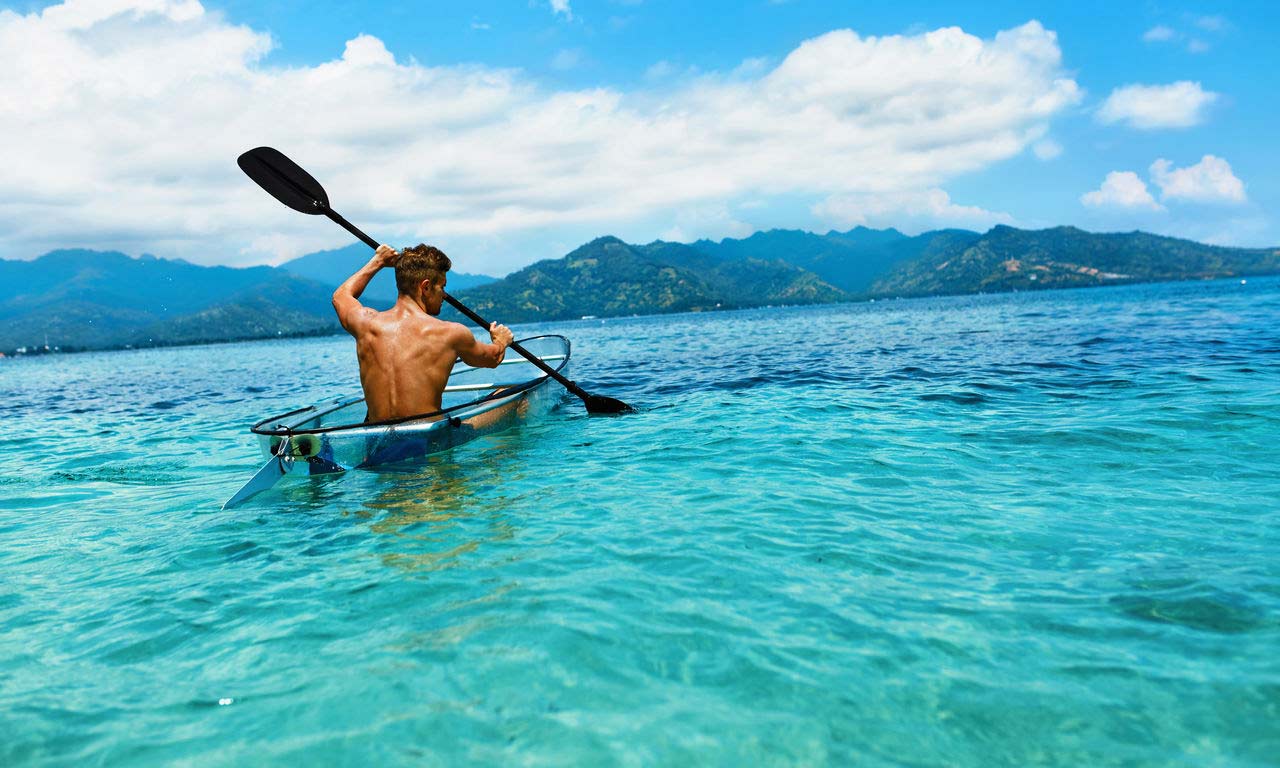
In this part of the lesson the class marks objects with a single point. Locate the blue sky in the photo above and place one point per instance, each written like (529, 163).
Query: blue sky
(511, 132)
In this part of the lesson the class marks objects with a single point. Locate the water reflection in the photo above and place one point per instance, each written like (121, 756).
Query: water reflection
(436, 511)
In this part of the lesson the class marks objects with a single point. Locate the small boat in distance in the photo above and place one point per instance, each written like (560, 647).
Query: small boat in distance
(333, 437)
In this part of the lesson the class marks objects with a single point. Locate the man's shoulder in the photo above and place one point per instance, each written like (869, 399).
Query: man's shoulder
(376, 318)
(434, 326)
(456, 331)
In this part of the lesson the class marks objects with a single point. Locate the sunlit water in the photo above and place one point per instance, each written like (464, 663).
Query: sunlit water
(1022, 529)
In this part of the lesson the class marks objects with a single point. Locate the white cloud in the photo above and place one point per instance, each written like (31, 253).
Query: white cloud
(124, 122)
(1177, 105)
(1208, 181)
(1196, 45)
(712, 221)
(1159, 34)
(1121, 189)
(1047, 149)
(561, 8)
(926, 209)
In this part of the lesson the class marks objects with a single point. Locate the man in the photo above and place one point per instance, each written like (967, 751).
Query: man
(406, 352)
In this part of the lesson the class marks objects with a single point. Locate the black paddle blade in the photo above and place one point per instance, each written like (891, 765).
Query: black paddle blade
(599, 405)
(284, 180)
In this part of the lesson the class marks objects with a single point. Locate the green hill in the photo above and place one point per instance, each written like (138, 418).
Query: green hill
(1007, 259)
(848, 260)
(608, 277)
(82, 299)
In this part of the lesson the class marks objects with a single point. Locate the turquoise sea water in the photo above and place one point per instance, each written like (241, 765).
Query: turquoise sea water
(998, 530)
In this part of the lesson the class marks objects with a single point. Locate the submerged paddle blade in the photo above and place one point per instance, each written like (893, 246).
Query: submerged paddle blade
(599, 405)
(284, 180)
(263, 479)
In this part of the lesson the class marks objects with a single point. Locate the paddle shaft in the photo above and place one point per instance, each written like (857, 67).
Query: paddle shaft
(472, 316)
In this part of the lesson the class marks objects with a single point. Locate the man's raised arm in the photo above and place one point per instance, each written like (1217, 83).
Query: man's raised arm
(346, 300)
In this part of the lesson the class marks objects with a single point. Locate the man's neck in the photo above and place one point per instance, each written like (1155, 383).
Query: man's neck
(408, 303)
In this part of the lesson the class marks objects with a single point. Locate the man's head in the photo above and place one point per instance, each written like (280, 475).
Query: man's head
(420, 274)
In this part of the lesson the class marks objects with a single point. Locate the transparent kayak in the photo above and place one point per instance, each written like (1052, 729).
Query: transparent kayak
(333, 437)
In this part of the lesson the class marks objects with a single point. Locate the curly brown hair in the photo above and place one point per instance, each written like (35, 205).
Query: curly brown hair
(421, 262)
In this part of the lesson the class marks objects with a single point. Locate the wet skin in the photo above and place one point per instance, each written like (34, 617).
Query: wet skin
(406, 352)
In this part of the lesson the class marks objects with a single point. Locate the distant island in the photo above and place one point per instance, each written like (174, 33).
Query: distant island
(74, 300)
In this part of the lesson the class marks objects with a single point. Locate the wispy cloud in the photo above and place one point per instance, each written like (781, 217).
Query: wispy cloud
(134, 114)
(661, 70)
(566, 59)
(1177, 105)
(1214, 25)
(1047, 149)
(561, 8)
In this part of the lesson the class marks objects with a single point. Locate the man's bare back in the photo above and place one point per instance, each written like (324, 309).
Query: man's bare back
(405, 352)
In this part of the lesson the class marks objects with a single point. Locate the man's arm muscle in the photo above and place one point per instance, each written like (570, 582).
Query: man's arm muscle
(476, 353)
(346, 300)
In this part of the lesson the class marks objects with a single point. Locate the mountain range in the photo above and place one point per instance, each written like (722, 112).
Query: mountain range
(78, 299)
(331, 268)
(609, 277)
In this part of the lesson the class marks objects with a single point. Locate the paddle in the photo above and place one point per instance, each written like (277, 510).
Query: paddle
(284, 180)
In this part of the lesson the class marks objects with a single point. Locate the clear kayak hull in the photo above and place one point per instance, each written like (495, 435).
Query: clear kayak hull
(333, 437)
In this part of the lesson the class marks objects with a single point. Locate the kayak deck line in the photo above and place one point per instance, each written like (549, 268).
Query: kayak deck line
(472, 387)
(458, 368)
(333, 437)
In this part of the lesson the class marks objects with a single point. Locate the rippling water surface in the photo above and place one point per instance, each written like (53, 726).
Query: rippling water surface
(1023, 529)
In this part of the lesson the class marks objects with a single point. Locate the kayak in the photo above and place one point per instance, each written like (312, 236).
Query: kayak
(333, 437)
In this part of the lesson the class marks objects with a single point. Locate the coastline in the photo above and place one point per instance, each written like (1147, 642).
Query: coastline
(9, 354)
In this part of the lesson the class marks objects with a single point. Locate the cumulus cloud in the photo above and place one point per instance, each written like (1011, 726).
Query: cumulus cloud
(1121, 189)
(1159, 34)
(927, 209)
(1208, 181)
(124, 119)
(1177, 105)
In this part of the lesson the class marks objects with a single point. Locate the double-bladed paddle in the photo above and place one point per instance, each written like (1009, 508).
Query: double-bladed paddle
(284, 180)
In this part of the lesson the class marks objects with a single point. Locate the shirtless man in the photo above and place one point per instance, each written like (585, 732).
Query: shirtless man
(406, 352)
